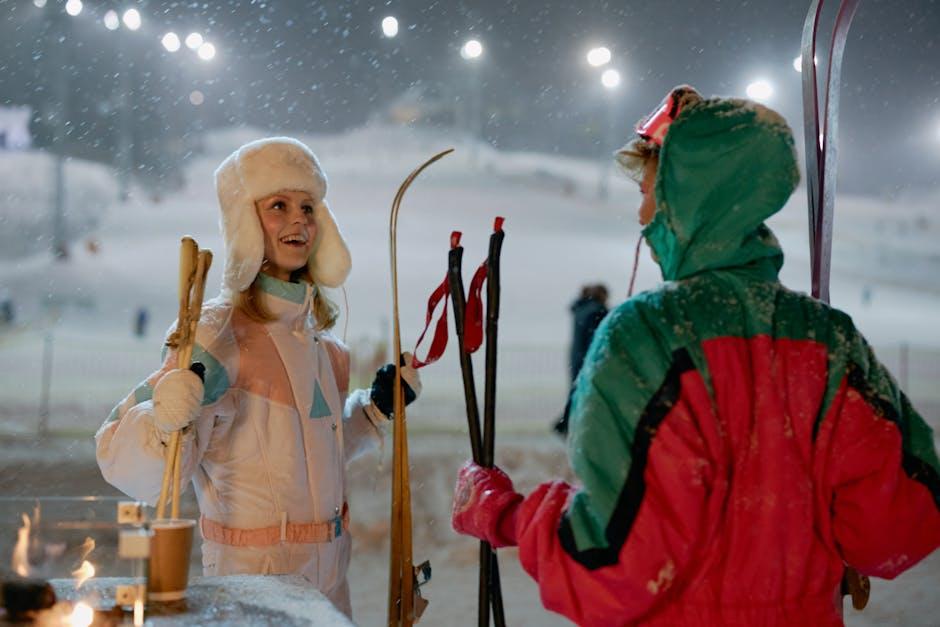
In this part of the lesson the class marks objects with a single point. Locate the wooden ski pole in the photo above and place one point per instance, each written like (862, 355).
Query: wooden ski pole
(189, 252)
(402, 608)
(203, 262)
(194, 265)
(489, 392)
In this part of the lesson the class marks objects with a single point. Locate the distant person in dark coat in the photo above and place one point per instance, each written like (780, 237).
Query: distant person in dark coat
(588, 311)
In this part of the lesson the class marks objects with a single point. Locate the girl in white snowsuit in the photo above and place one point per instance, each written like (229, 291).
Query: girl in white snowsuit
(268, 430)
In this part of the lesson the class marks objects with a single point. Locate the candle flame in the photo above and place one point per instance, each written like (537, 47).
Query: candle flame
(85, 572)
(138, 613)
(82, 615)
(20, 561)
(87, 547)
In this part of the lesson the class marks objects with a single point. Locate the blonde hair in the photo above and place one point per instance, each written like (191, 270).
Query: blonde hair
(633, 157)
(325, 312)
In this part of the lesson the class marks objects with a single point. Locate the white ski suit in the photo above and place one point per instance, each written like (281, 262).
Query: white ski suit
(267, 453)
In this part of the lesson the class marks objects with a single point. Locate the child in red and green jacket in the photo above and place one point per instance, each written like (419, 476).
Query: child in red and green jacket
(736, 443)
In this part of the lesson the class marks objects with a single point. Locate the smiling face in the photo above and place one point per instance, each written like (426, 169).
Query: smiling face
(289, 228)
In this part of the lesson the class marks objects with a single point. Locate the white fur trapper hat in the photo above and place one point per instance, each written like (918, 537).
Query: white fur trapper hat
(261, 168)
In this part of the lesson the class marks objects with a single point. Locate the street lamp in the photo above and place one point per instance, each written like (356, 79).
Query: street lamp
(171, 42)
(131, 19)
(39, 3)
(471, 50)
(610, 79)
(206, 51)
(111, 20)
(798, 63)
(760, 90)
(599, 56)
(193, 41)
(73, 7)
(389, 27)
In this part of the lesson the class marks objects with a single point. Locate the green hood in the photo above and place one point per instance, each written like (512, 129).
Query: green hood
(725, 167)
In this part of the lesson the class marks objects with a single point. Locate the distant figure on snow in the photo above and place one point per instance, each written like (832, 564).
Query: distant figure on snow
(587, 312)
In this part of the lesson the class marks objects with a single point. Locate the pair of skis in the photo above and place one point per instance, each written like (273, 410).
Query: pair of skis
(821, 144)
(821, 160)
(468, 327)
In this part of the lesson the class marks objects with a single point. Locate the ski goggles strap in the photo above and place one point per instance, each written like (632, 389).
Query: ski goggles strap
(439, 341)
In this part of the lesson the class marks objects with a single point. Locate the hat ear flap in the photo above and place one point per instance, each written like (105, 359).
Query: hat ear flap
(241, 229)
(330, 261)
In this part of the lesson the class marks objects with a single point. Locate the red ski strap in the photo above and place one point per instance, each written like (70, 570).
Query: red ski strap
(473, 318)
(439, 342)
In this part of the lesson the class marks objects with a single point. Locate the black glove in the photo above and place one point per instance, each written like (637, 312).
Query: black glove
(383, 387)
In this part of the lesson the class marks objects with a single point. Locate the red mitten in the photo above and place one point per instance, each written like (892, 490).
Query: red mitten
(485, 505)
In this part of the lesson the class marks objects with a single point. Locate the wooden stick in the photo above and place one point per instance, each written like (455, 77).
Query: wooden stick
(401, 588)
(194, 266)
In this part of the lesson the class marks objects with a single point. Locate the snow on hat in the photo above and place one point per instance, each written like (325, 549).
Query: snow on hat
(261, 168)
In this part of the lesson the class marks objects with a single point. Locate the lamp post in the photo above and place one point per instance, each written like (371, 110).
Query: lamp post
(130, 21)
(471, 52)
(610, 79)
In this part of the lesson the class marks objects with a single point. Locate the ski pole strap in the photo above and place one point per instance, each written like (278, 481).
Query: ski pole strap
(439, 341)
(473, 318)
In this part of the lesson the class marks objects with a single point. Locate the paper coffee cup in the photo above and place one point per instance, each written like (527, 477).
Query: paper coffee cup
(170, 550)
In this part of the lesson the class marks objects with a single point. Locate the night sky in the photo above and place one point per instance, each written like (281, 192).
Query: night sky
(324, 67)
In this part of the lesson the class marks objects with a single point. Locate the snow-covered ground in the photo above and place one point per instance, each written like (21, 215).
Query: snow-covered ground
(559, 235)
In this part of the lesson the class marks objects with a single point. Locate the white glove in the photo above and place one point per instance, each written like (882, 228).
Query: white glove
(177, 400)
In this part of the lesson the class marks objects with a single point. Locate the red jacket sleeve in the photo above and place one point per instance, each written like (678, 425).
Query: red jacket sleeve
(622, 543)
(881, 470)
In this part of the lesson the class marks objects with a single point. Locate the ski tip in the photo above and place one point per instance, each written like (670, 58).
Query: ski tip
(498, 223)
(455, 239)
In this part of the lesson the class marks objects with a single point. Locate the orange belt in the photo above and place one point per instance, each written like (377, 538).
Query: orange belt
(294, 533)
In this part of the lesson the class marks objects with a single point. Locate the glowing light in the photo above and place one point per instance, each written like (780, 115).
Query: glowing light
(760, 90)
(39, 3)
(472, 49)
(131, 19)
(87, 547)
(193, 41)
(20, 561)
(73, 7)
(82, 615)
(197, 97)
(389, 26)
(206, 51)
(171, 42)
(798, 63)
(111, 20)
(138, 613)
(610, 79)
(597, 57)
(85, 572)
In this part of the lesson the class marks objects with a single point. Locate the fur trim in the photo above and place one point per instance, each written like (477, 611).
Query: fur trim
(259, 169)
